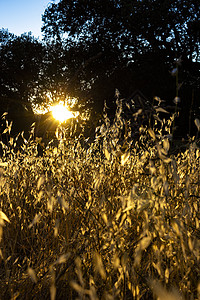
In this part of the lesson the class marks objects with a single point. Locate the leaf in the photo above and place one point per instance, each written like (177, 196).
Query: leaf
(5, 131)
(167, 275)
(62, 259)
(152, 134)
(167, 160)
(190, 244)
(123, 218)
(41, 193)
(116, 262)
(3, 218)
(98, 265)
(32, 274)
(137, 113)
(160, 109)
(107, 154)
(124, 158)
(104, 217)
(158, 267)
(35, 220)
(142, 245)
(57, 223)
(128, 208)
(175, 227)
(145, 242)
(197, 123)
(162, 293)
(4, 114)
(166, 144)
(77, 287)
(3, 164)
(55, 151)
(50, 203)
(40, 182)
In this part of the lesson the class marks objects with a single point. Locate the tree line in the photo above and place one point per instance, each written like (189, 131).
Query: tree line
(91, 48)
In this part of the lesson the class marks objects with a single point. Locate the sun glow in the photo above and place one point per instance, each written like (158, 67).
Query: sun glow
(61, 113)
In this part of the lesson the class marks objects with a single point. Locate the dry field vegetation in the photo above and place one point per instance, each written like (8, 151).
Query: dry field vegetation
(109, 219)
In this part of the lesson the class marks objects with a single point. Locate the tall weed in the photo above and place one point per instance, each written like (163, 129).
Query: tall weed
(115, 218)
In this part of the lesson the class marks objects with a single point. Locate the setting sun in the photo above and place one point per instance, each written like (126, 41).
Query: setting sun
(61, 113)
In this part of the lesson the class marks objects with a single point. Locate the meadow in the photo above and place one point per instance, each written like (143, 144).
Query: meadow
(111, 218)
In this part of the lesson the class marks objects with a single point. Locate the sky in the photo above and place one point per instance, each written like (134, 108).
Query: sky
(20, 16)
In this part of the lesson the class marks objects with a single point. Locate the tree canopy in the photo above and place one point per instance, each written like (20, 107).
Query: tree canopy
(133, 43)
(21, 60)
(91, 48)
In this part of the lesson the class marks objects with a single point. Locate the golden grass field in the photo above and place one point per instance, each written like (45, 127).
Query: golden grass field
(110, 219)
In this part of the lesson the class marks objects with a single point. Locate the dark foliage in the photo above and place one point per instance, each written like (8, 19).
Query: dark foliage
(92, 48)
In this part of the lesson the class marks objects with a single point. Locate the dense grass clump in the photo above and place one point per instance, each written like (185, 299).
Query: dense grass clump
(110, 219)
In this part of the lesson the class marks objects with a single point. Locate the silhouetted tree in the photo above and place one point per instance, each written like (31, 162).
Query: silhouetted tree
(21, 64)
(125, 30)
(126, 45)
(92, 47)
